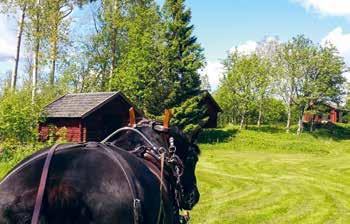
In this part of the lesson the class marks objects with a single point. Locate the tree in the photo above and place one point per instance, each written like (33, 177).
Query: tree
(184, 56)
(241, 83)
(314, 74)
(191, 115)
(9, 6)
(106, 47)
(139, 71)
(57, 11)
(267, 70)
(205, 85)
(35, 38)
(263, 85)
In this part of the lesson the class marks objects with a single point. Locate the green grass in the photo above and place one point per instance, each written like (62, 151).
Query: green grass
(269, 176)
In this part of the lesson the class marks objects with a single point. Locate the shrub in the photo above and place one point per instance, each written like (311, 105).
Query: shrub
(191, 115)
(18, 117)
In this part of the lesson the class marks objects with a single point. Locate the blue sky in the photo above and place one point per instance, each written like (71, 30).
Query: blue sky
(223, 24)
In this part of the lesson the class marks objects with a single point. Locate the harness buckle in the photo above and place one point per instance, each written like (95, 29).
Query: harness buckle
(137, 211)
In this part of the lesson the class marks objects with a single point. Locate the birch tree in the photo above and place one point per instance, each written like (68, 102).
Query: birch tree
(11, 7)
(314, 74)
(58, 24)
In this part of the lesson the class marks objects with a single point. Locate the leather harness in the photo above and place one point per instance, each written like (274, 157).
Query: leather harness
(151, 156)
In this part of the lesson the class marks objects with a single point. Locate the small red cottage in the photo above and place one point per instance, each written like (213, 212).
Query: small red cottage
(213, 110)
(333, 114)
(86, 116)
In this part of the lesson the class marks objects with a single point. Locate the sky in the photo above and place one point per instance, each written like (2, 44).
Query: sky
(222, 25)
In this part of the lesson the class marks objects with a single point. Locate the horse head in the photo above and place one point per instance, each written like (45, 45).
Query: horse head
(163, 138)
(186, 150)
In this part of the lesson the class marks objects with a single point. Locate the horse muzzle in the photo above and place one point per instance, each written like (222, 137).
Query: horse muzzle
(191, 199)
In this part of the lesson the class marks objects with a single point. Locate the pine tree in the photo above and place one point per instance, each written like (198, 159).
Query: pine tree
(184, 56)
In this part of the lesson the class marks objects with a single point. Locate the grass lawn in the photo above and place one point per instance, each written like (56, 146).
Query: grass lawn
(268, 176)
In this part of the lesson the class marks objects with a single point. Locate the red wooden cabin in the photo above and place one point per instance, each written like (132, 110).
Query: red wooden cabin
(334, 114)
(86, 116)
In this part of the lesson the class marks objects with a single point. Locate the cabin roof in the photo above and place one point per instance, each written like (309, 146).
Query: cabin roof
(212, 100)
(80, 105)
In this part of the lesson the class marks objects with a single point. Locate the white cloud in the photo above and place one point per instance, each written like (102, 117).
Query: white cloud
(214, 70)
(327, 7)
(7, 39)
(341, 41)
(246, 48)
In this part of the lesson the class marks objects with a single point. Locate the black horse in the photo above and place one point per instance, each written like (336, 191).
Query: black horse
(86, 185)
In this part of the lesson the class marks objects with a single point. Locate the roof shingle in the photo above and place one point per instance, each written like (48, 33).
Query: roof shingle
(77, 105)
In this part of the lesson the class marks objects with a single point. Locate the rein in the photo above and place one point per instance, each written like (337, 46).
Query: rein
(43, 180)
(41, 189)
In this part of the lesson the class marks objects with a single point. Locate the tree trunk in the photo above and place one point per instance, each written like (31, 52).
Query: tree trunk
(36, 57)
(242, 121)
(18, 49)
(312, 123)
(54, 41)
(289, 115)
(35, 69)
(300, 121)
(53, 63)
(260, 115)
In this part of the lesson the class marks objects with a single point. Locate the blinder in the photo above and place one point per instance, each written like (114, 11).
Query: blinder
(160, 128)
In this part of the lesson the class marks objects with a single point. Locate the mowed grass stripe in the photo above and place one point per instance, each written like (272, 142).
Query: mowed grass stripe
(267, 176)
(241, 183)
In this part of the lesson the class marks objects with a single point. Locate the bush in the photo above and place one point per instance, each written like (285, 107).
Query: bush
(191, 115)
(18, 117)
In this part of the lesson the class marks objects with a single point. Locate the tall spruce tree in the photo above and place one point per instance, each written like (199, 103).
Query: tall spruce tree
(184, 55)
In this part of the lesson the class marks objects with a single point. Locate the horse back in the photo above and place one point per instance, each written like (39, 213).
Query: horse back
(85, 185)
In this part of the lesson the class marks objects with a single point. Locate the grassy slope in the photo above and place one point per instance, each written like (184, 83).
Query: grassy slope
(269, 176)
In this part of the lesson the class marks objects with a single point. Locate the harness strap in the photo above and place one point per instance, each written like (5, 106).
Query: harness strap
(43, 180)
(162, 158)
(129, 129)
(42, 185)
(136, 201)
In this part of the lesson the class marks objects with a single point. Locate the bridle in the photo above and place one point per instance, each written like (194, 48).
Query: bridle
(164, 158)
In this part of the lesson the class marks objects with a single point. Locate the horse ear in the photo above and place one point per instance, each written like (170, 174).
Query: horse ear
(166, 119)
(132, 119)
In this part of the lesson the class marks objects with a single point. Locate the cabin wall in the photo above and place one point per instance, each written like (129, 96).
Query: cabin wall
(213, 116)
(73, 129)
(332, 116)
(107, 119)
